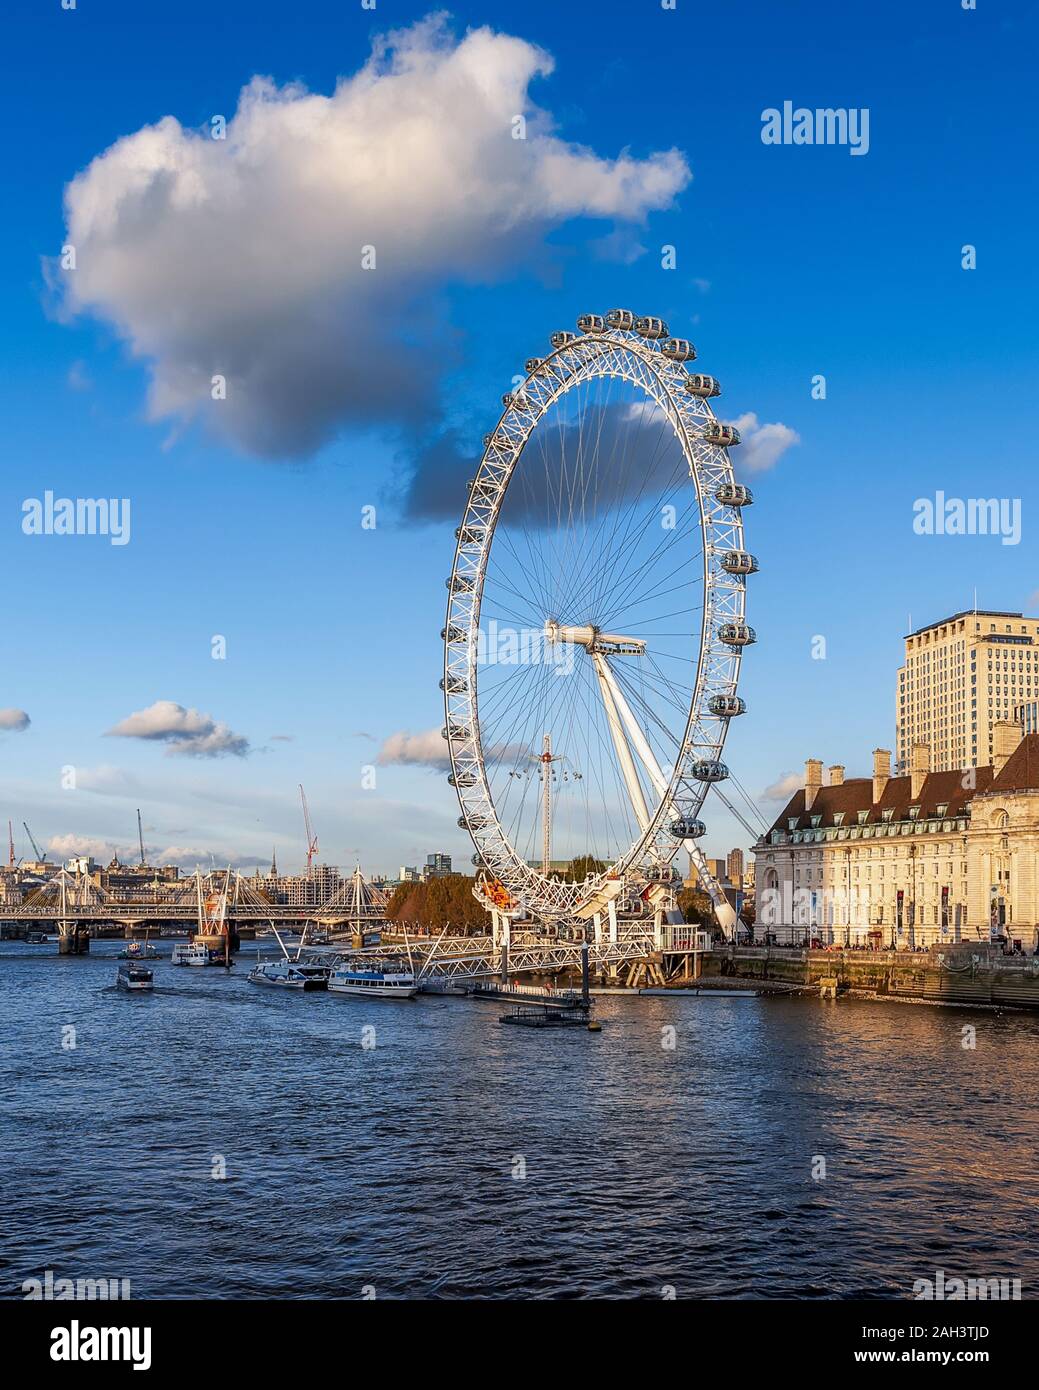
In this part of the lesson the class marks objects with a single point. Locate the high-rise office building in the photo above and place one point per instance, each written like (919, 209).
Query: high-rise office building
(961, 676)
(734, 864)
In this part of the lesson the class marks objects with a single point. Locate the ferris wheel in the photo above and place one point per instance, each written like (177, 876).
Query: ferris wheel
(596, 621)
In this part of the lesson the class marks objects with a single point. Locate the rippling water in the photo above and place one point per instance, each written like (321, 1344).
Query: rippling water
(394, 1167)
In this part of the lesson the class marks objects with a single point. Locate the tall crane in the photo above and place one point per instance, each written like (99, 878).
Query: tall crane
(311, 837)
(40, 858)
(140, 835)
(10, 846)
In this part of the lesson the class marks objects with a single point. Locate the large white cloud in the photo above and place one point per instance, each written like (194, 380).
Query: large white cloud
(426, 749)
(242, 257)
(186, 731)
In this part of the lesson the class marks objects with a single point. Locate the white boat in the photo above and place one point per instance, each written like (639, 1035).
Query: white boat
(190, 953)
(289, 974)
(388, 980)
(134, 977)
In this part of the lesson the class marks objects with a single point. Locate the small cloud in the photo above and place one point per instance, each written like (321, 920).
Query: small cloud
(782, 789)
(763, 445)
(415, 750)
(701, 284)
(187, 731)
(282, 738)
(106, 780)
(620, 246)
(78, 378)
(14, 721)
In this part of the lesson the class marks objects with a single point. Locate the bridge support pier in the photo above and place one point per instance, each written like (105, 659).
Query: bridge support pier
(73, 939)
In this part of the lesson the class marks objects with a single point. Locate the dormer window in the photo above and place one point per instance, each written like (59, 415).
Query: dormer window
(791, 823)
(888, 813)
(863, 817)
(914, 813)
(816, 822)
(942, 811)
(838, 818)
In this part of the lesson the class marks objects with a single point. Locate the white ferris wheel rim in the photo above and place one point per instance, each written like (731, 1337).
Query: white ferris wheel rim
(611, 352)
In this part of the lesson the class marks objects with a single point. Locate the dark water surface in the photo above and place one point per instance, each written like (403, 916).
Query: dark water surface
(393, 1167)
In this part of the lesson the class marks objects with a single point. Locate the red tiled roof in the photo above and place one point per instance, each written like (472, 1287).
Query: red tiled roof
(856, 794)
(1022, 767)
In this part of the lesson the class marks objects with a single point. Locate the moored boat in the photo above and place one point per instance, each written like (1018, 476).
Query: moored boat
(190, 953)
(374, 980)
(134, 977)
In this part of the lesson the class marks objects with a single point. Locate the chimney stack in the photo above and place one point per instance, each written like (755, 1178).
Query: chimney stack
(1005, 738)
(921, 766)
(881, 772)
(837, 775)
(813, 780)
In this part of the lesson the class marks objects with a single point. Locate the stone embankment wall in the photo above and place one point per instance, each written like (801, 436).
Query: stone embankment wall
(962, 974)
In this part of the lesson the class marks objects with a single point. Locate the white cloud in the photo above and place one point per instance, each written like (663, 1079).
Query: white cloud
(186, 731)
(783, 788)
(763, 445)
(14, 720)
(241, 257)
(418, 750)
(65, 846)
(106, 780)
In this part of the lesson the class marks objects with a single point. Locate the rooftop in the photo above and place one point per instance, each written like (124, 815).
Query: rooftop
(967, 613)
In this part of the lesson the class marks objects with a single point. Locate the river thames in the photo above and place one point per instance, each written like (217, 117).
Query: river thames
(457, 1158)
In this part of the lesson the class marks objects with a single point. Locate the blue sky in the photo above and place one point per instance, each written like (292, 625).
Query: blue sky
(791, 261)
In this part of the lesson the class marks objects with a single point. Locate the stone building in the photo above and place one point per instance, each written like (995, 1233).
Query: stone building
(910, 861)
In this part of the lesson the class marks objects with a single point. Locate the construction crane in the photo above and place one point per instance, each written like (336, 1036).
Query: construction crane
(40, 858)
(311, 837)
(10, 846)
(140, 835)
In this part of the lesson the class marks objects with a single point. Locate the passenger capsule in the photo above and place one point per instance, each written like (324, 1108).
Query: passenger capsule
(708, 771)
(531, 365)
(733, 495)
(623, 319)
(725, 436)
(455, 733)
(687, 828)
(469, 535)
(516, 398)
(651, 328)
(473, 823)
(563, 338)
(737, 634)
(462, 779)
(678, 349)
(591, 323)
(727, 706)
(462, 583)
(454, 685)
(477, 861)
(452, 634)
(739, 562)
(702, 386)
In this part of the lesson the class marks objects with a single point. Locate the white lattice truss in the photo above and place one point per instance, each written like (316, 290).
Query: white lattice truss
(610, 353)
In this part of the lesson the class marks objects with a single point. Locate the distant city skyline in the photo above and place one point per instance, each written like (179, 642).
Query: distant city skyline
(273, 615)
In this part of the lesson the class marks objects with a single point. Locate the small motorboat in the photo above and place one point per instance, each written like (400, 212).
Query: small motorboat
(138, 950)
(374, 980)
(289, 974)
(134, 977)
(36, 938)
